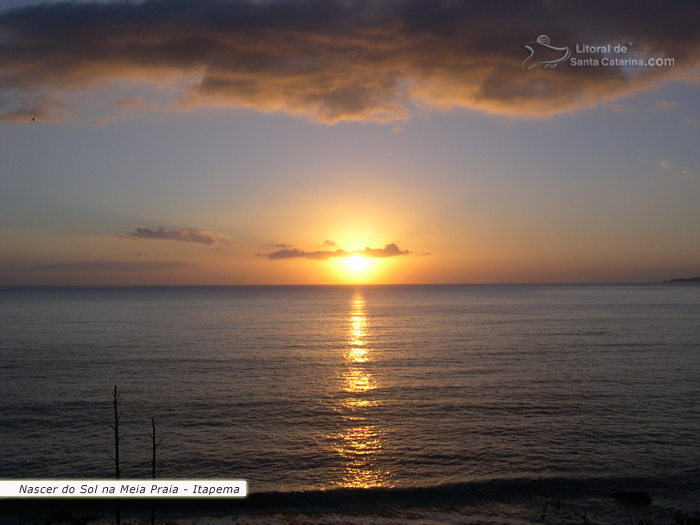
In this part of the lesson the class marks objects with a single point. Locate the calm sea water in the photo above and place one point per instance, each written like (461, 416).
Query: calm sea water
(442, 403)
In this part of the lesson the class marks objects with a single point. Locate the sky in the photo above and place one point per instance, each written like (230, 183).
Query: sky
(348, 141)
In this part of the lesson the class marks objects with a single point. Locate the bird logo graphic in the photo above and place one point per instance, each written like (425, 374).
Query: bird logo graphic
(544, 50)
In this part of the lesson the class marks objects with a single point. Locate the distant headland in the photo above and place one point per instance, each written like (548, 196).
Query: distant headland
(690, 280)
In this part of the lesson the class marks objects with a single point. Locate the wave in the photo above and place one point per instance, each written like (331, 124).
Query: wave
(500, 499)
(378, 500)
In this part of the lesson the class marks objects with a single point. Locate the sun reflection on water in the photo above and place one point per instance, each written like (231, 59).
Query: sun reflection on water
(362, 438)
(357, 381)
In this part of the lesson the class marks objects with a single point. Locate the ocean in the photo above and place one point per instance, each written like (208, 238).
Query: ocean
(365, 404)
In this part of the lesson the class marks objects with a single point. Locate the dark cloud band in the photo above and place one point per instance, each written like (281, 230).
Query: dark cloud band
(331, 60)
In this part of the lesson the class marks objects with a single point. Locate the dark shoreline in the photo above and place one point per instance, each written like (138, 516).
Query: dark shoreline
(527, 494)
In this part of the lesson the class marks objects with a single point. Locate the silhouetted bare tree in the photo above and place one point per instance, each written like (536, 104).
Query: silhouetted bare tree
(155, 444)
(117, 439)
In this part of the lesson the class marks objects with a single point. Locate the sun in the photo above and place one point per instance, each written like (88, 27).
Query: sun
(357, 263)
(356, 268)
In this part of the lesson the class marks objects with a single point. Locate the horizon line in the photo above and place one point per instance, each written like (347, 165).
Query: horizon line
(544, 283)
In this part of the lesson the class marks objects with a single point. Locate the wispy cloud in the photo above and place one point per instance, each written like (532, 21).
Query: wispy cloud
(663, 105)
(328, 243)
(130, 102)
(332, 60)
(390, 250)
(119, 266)
(37, 107)
(179, 234)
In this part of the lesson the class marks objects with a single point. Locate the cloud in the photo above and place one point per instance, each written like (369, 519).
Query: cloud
(328, 243)
(295, 254)
(663, 105)
(116, 266)
(130, 102)
(390, 250)
(39, 107)
(665, 164)
(180, 234)
(333, 60)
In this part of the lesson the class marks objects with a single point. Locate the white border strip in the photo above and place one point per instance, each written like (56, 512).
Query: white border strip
(127, 488)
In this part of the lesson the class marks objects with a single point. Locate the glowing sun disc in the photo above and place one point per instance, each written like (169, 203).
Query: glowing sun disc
(357, 263)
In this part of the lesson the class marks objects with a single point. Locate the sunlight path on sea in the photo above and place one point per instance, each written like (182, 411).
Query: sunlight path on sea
(361, 436)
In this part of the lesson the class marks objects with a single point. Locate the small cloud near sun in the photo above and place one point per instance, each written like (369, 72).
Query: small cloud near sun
(390, 250)
(328, 243)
